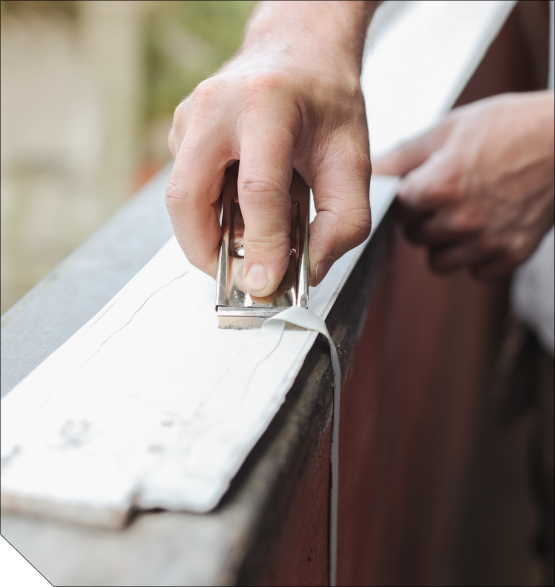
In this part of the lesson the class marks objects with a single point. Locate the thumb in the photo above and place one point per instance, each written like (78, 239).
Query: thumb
(431, 184)
(413, 153)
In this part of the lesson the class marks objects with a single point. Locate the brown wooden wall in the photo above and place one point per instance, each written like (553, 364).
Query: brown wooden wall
(411, 400)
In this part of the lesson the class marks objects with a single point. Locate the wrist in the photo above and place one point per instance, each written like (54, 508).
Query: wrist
(331, 31)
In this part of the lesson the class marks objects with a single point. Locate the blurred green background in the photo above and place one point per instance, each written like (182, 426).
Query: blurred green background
(88, 90)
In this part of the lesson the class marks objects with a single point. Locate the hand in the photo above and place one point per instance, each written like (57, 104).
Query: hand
(478, 188)
(291, 99)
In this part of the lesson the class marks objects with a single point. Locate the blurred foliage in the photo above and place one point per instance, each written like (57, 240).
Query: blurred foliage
(67, 8)
(185, 43)
(133, 62)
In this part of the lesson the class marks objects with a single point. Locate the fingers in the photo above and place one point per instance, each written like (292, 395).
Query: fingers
(492, 268)
(486, 260)
(204, 142)
(408, 215)
(440, 227)
(433, 184)
(341, 196)
(411, 154)
(193, 195)
(426, 200)
(509, 256)
(264, 185)
(452, 257)
(428, 171)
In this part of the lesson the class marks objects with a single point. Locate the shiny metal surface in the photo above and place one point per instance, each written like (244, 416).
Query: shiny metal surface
(235, 307)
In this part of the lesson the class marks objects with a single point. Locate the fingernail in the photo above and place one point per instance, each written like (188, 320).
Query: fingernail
(256, 278)
(322, 268)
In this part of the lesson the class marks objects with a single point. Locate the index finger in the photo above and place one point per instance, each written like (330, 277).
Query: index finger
(264, 183)
(193, 196)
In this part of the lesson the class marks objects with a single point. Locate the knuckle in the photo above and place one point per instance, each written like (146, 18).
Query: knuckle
(257, 87)
(254, 190)
(206, 93)
(276, 244)
(465, 222)
(437, 194)
(267, 239)
(175, 197)
(200, 104)
(350, 223)
(356, 228)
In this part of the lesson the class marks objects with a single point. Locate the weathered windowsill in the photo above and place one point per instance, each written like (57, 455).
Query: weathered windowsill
(162, 547)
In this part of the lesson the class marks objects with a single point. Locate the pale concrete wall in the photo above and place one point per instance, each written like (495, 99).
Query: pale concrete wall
(71, 96)
(88, 93)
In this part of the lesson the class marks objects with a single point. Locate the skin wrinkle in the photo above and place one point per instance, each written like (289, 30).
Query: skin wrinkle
(341, 207)
(335, 172)
(306, 95)
(258, 187)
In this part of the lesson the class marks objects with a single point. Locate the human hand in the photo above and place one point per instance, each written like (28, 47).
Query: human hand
(291, 99)
(478, 188)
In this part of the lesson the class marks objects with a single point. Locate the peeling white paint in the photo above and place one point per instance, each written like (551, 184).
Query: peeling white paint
(150, 404)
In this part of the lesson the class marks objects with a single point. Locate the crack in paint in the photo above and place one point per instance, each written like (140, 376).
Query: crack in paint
(49, 395)
(129, 321)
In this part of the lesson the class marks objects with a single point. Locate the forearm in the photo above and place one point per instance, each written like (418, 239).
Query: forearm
(320, 28)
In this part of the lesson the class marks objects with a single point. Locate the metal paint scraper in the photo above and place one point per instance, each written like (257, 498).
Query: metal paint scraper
(235, 307)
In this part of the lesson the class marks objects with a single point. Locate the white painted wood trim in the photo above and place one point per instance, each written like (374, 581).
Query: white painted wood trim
(149, 404)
